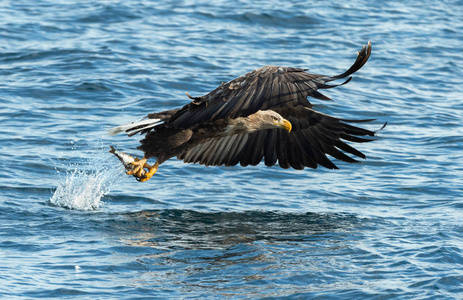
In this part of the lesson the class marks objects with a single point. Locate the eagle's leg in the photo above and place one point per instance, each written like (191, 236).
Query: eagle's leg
(139, 165)
(151, 172)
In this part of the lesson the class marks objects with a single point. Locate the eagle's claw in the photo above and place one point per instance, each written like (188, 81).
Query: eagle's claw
(139, 166)
(151, 172)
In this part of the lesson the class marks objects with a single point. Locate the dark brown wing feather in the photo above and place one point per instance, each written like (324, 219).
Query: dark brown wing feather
(313, 136)
(265, 88)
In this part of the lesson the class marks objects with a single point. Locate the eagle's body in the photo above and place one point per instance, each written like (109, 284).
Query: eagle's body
(167, 142)
(262, 115)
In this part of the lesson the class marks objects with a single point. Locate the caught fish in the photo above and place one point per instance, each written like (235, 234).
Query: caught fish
(126, 160)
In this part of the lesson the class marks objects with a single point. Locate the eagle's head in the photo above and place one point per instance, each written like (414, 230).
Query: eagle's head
(267, 119)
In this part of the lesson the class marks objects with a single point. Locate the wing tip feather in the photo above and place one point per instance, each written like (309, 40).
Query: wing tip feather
(362, 57)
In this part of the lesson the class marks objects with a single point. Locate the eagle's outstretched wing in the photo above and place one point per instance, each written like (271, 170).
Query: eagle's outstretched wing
(313, 136)
(264, 88)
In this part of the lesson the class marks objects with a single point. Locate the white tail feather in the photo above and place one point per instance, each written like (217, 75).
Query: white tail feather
(140, 125)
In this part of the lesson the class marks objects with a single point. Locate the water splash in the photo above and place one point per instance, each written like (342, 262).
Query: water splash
(83, 187)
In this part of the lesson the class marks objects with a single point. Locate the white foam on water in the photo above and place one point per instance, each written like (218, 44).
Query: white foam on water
(83, 187)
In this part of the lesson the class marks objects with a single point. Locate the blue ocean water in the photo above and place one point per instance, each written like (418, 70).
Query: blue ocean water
(74, 226)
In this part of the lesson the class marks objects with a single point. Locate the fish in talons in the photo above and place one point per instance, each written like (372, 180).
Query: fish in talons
(133, 166)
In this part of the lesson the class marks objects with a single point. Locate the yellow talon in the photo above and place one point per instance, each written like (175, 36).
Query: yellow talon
(151, 172)
(138, 170)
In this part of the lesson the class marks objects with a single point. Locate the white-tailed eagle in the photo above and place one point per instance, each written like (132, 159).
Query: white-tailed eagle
(262, 115)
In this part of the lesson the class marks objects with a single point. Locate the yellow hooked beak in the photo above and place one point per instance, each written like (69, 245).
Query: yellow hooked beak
(285, 124)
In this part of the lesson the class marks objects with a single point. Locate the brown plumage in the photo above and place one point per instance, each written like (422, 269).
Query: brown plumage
(262, 115)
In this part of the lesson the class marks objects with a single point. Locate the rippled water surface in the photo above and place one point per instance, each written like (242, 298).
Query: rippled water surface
(73, 225)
